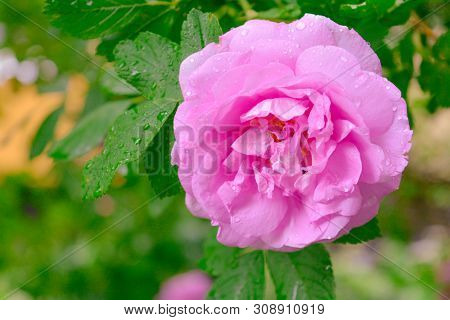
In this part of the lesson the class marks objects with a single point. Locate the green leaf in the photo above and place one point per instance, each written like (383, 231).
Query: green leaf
(366, 232)
(435, 74)
(217, 258)
(162, 174)
(326, 8)
(125, 142)
(305, 274)
(372, 31)
(441, 49)
(198, 30)
(112, 84)
(166, 23)
(150, 63)
(432, 105)
(89, 132)
(107, 44)
(94, 18)
(358, 11)
(434, 77)
(44, 133)
(381, 6)
(400, 13)
(406, 49)
(94, 99)
(245, 281)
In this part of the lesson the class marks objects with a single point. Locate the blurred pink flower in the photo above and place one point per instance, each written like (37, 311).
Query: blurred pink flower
(288, 133)
(193, 285)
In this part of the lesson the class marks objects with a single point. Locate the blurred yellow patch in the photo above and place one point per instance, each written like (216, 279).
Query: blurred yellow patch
(22, 111)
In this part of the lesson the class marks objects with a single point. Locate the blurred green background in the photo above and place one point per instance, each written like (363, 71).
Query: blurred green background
(53, 245)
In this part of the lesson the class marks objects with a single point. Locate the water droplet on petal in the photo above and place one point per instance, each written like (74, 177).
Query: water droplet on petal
(236, 219)
(244, 32)
(343, 58)
(300, 25)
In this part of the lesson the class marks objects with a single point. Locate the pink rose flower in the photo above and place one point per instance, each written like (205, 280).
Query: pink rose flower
(304, 135)
(193, 285)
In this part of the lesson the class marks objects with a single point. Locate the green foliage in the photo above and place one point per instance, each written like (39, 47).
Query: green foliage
(112, 84)
(245, 281)
(371, 18)
(435, 73)
(157, 162)
(94, 18)
(45, 133)
(130, 134)
(150, 63)
(89, 132)
(45, 225)
(364, 233)
(305, 274)
(198, 30)
(217, 258)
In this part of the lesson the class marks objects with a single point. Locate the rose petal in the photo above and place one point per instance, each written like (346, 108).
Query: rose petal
(341, 173)
(283, 108)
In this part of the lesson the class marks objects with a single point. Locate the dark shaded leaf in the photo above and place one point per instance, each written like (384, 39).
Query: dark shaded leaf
(434, 77)
(95, 18)
(125, 142)
(366, 232)
(305, 274)
(112, 84)
(89, 132)
(198, 30)
(245, 281)
(217, 258)
(45, 133)
(162, 174)
(150, 63)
